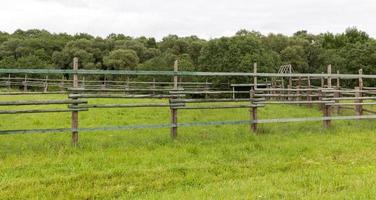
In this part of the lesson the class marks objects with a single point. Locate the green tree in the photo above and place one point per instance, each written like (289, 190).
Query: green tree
(121, 59)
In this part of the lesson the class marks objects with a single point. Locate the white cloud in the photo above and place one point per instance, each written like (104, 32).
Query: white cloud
(210, 18)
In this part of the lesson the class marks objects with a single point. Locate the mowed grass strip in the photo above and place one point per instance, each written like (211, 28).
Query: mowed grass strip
(285, 161)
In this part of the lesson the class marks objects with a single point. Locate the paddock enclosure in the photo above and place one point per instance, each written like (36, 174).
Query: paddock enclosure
(188, 90)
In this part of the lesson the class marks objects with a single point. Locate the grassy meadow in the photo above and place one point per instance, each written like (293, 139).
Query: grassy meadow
(285, 161)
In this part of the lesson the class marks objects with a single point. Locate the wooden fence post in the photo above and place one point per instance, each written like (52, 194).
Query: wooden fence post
(75, 113)
(25, 83)
(327, 113)
(298, 89)
(174, 111)
(337, 94)
(45, 85)
(233, 92)
(9, 82)
(206, 88)
(253, 112)
(360, 91)
(62, 83)
(309, 92)
(255, 76)
(329, 77)
(289, 87)
(154, 87)
(83, 82)
(358, 94)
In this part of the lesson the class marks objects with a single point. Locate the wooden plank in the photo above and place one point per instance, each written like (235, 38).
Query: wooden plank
(39, 111)
(49, 102)
(144, 105)
(99, 96)
(214, 100)
(220, 107)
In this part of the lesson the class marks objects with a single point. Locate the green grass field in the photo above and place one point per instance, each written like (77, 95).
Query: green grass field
(285, 161)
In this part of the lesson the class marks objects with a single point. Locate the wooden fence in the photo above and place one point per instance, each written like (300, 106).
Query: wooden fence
(331, 98)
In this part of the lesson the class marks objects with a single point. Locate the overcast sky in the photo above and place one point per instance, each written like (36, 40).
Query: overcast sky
(204, 18)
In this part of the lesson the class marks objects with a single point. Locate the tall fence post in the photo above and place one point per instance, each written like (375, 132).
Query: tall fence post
(174, 111)
(309, 92)
(358, 94)
(329, 77)
(253, 112)
(337, 94)
(298, 88)
(83, 82)
(62, 83)
(289, 88)
(25, 83)
(9, 82)
(255, 76)
(75, 113)
(154, 88)
(327, 113)
(45, 85)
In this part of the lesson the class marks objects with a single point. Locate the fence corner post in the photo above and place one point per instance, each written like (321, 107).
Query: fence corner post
(75, 113)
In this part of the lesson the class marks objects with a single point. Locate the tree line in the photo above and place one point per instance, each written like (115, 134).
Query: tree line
(307, 53)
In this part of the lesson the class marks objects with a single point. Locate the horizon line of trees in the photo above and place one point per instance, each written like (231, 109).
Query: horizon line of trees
(307, 53)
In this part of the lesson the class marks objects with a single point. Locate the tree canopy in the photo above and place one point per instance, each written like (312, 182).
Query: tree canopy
(347, 51)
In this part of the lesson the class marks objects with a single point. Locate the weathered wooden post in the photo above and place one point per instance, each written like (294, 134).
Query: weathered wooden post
(337, 94)
(62, 83)
(233, 92)
(9, 82)
(25, 83)
(174, 111)
(104, 82)
(206, 88)
(298, 88)
(253, 112)
(75, 113)
(327, 113)
(329, 77)
(309, 92)
(45, 85)
(83, 82)
(322, 80)
(255, 76)
(153, 86)
(358, 94)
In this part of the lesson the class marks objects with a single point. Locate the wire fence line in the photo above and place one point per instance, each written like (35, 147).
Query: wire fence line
(280, 89)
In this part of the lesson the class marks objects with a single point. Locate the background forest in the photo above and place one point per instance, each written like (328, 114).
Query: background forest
(307, 52)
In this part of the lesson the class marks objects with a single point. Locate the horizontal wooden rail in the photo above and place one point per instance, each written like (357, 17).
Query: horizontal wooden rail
(49, 102)
(209, 92)
(296, 102)
(218, 107)
(39, 111)
(216, 100)
(350, 98)
(99, 96)
(352, 103)
(30, 93)
(126, 105)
